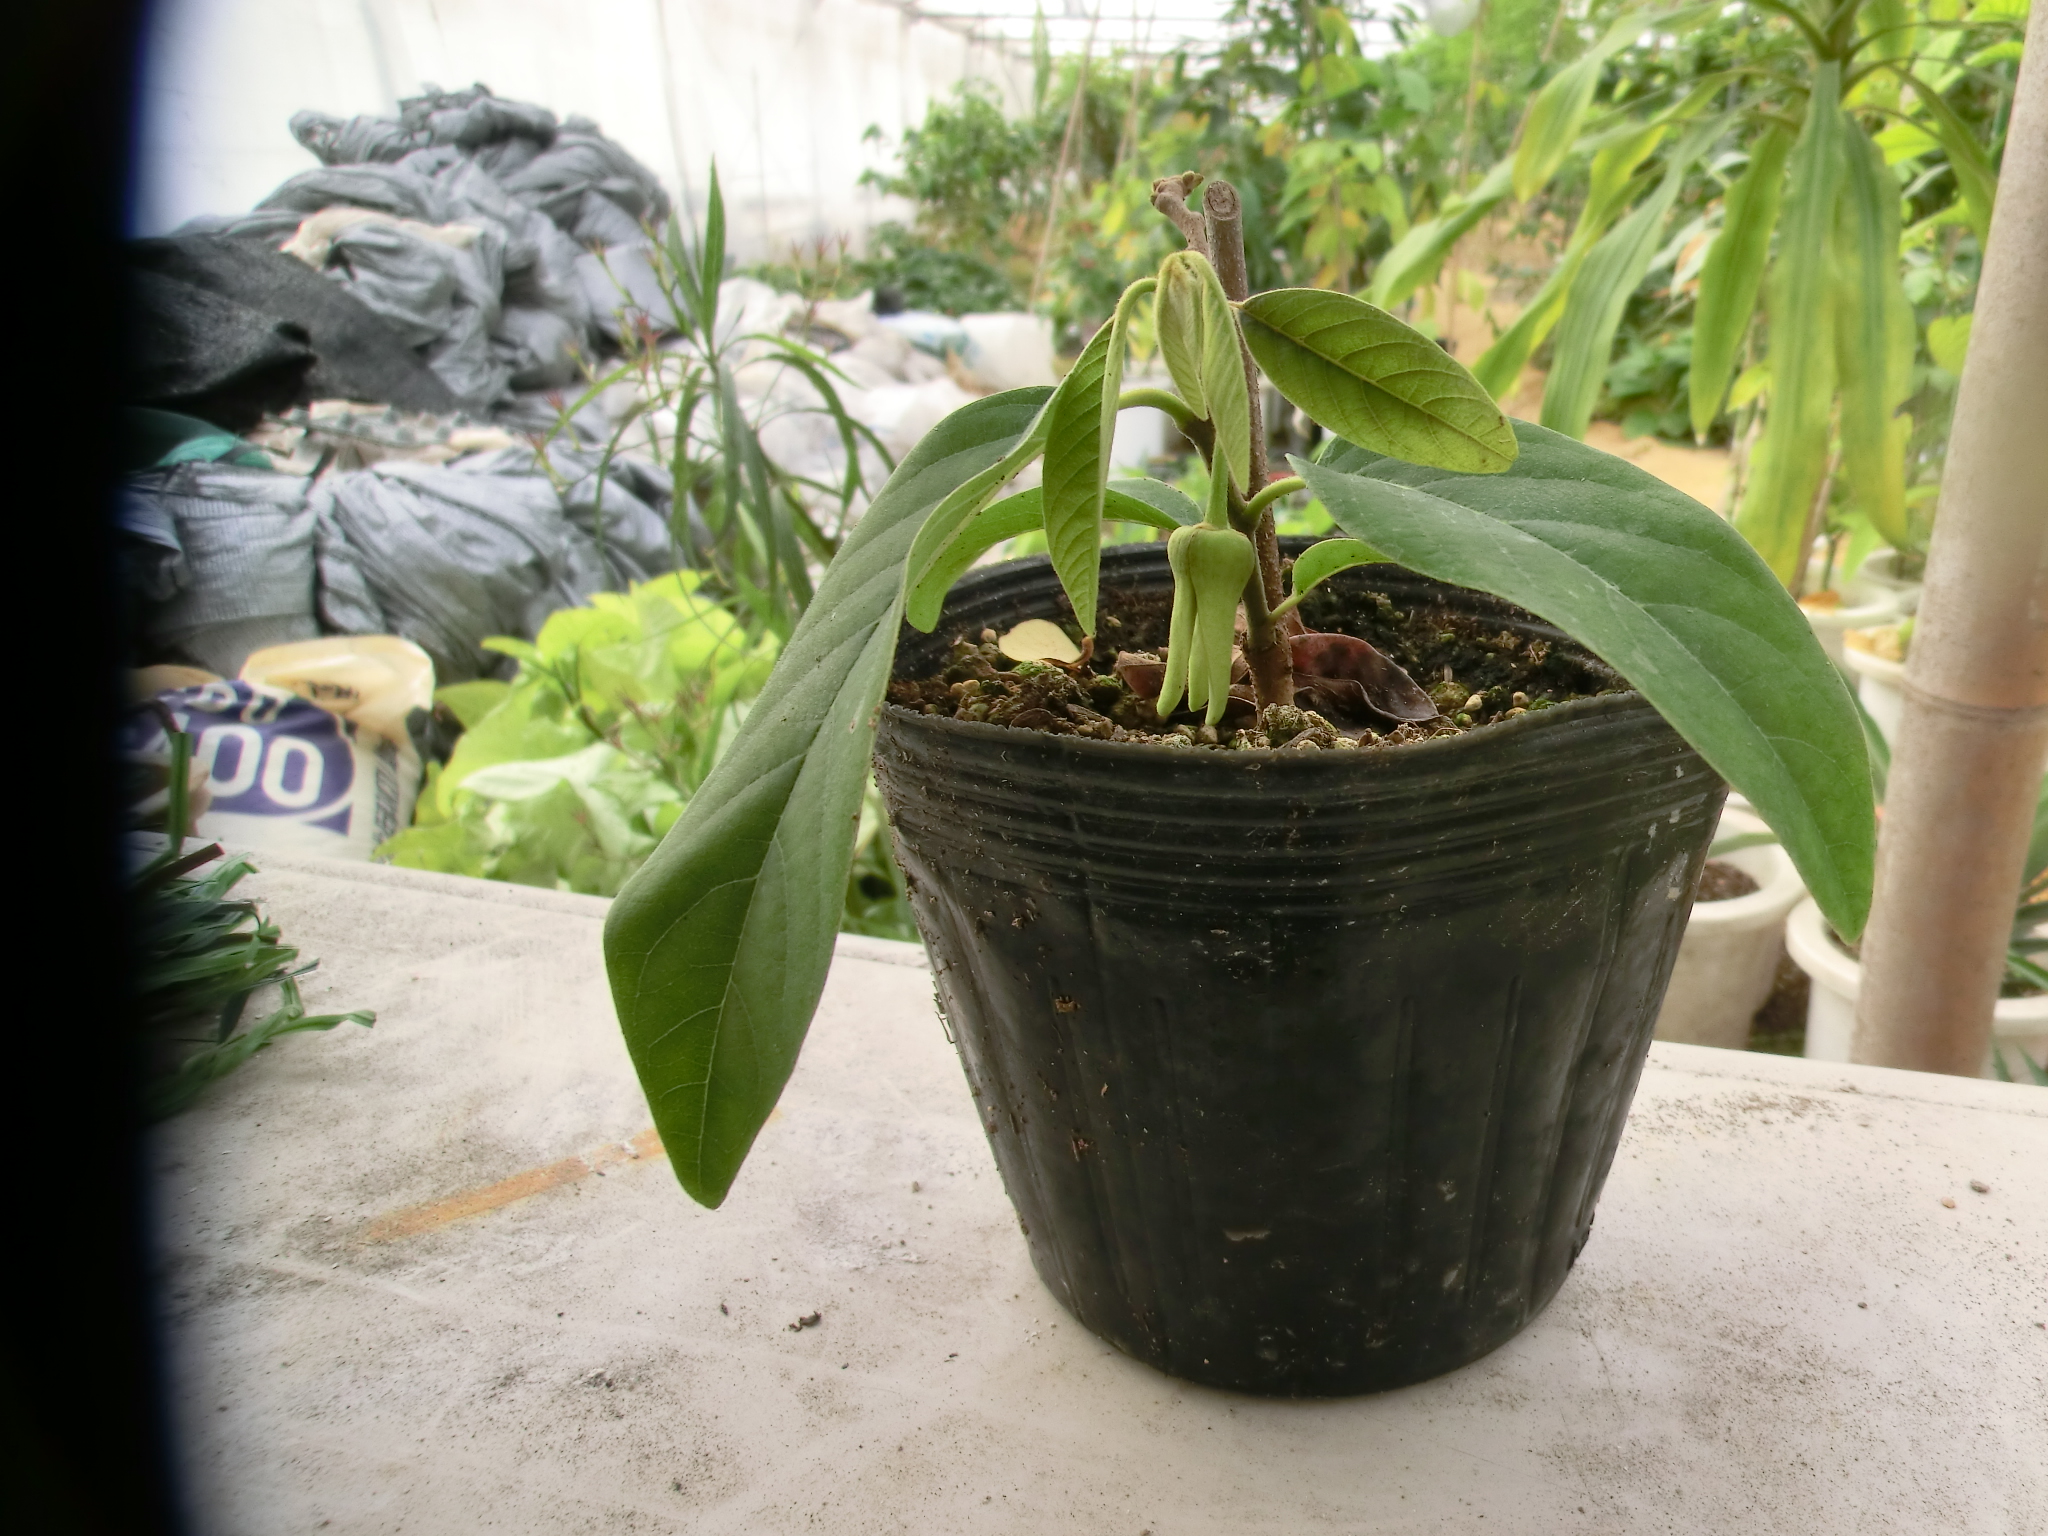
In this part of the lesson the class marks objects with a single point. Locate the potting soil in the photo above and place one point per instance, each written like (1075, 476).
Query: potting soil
(1474, 671)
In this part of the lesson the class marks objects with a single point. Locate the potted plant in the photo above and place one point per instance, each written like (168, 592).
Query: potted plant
(1734, 937)
(1303, 1037)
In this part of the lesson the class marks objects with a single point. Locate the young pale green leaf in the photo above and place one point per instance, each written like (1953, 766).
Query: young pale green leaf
(1080, 424)
(1419, 254)
(1322, 560)
(1791, 457)
(1024, 513)
(1368, 378)
(1874, 334)
(717, 949)
(1592, 313)
(1175, 508)
(1177, 324)
(932, 552)
(1555, 116)
(1669, 595)
(1732, 274)
(1225, 383)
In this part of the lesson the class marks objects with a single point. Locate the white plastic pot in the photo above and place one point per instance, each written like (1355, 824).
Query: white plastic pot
(1729, 955)
(1877, 685)
(1836, 977)
(1861, 606)
(1880, 569)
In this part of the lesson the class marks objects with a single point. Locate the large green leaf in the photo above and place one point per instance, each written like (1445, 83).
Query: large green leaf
(1555, 116)
(718, 947)
(1080, 426)
(1592, 313)
(1418, 255)
(1791, 457)
(1666, 593)
(1874, 335)
(1370, 379)
(1732, 274)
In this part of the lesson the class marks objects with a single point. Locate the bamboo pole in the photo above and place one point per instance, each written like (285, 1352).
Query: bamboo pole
(1973, 736)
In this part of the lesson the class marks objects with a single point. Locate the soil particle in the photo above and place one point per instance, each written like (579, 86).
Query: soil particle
(1478, 673)
(808, 1320)
(1722, 881)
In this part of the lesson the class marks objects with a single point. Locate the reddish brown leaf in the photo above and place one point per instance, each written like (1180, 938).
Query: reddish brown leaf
(1349, 676)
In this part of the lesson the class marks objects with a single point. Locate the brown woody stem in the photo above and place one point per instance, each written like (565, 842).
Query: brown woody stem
(1266, 649)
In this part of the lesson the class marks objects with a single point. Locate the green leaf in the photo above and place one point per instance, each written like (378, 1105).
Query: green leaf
(1023, 513)
(1948, 341)
(1080, 427)
(1365, 376)
(1792, 455)
(1665, 592)
(1976, 179)
(1559, 110)
(1418, 255)
(1178, 510)
(931, 551)
(1225, 383)
(470, 702)
(1592, 312)
(1732, 274)
(1500, 366)
(1324, 559)
(1177, 326)
(1874, 336)
(717, 949)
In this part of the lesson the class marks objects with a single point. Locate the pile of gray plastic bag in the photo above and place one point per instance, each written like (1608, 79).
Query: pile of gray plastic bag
(474, 226)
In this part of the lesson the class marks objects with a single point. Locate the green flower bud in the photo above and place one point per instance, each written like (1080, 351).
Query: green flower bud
(1210, 569)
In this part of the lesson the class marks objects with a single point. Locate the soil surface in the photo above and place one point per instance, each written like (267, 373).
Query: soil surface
(1722, 881)
(1473, 670)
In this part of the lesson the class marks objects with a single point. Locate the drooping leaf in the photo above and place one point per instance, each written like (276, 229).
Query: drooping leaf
(1669, 595)
(1559, 110)
(1874, 329)
(1791, 457)
(1324, 559)
(1732, 275)
(1592, 314)
(932, 552)
(1023, 513)
(1417, 255)
(717, 949)
(1368, 378)
(1080, 426)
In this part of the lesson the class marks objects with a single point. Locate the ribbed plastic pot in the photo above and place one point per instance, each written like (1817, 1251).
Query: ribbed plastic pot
(1303, 1070)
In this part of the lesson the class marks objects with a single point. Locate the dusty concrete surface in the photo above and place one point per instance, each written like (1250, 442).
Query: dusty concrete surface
(433, 1278)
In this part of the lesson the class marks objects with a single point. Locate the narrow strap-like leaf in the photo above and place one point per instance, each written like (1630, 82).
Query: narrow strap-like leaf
(1592, 313)
(717, 949)
(1733, 273)
(1669, 595)
(1418, 255)
(1370, 379)
(1976, 180)
(1555, 116)
(1874, 336)
(1792, 455)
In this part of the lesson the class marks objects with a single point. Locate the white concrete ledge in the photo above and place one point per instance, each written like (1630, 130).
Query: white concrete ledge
(435, 1277)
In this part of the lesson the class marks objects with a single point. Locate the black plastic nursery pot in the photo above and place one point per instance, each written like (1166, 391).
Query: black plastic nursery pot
(1303, 1069)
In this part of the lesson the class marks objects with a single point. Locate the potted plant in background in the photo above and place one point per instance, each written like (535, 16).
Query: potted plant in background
(1734, 937)
(1303, 1036)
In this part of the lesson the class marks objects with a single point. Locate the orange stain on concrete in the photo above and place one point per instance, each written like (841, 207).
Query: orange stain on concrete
(415, 1219)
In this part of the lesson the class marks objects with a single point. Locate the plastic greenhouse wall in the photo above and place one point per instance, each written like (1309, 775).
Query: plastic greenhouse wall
(780, 91)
